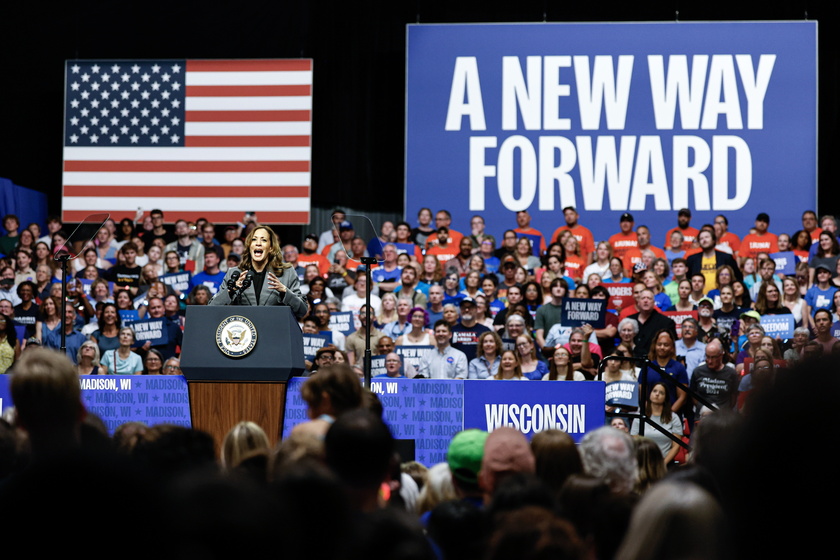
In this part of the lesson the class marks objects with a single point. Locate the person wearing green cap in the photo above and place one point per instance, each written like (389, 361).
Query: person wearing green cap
(464, 456)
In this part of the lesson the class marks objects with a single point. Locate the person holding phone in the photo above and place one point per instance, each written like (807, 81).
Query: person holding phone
(273, 282)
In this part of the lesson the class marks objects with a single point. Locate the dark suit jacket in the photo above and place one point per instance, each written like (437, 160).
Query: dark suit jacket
(695, 264)
(291, 297)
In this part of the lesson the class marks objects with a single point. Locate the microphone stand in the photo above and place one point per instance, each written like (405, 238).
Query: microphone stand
(368, 359)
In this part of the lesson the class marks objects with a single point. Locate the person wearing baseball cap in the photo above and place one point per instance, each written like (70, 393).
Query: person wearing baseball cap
(689, 233)
(464, 456)
(625, 239)
(466, 332)
(309, 255)
(762, 241)
(506, 452)
(821, 294)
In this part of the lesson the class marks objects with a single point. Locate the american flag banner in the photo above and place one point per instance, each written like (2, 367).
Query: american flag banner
(211, 138)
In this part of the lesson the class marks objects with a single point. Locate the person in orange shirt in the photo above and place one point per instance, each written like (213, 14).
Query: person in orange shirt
(634, 256)
(689, 233)
(809, 224)
(762, 241)
(444, 248)
(624, 240)
(582, 234)
(725, 237)
(309, 255)
(444, 219)
(523, 220)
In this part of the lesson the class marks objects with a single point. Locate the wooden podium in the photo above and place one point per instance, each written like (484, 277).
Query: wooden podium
(225, 390)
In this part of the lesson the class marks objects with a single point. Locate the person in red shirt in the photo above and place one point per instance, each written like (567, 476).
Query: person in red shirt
(582, 234)
(762, 241)
(523, 220)
(689, 233)
(624, 240)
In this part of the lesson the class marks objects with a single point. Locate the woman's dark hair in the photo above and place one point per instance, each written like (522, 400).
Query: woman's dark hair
(11, 335)
(746, 300)
(655, 340)
(123, 222)
(118, 322)
(556, 457)
(547, 254)
(339, 382)
(835, 248)
(665, 417)
(525, 291)
(761, 303)
(552, 367)
(156, 353)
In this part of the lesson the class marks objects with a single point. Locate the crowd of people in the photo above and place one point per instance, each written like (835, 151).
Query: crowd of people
(496, 495)
(489, 311)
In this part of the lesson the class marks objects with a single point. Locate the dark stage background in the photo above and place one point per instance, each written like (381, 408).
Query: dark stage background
(359, 59)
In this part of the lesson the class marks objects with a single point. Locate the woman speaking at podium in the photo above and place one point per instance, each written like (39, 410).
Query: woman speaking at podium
(262, 278)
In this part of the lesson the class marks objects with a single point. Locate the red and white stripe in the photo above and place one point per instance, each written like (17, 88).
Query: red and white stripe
(248, 135)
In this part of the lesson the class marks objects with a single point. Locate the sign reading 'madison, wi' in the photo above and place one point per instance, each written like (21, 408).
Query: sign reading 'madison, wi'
(610, 118)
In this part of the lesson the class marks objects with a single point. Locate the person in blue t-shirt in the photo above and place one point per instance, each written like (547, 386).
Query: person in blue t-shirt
(393, 366)
(212, 275)
(821, 294)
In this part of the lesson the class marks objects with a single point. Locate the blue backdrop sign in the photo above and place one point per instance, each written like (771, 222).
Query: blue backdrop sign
(431, 411)
(644, 118)
(118, 399)
(575, 407)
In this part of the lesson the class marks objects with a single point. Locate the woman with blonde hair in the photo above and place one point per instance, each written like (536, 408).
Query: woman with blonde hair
(488, 356)
(388, 310)
(509, 367)
(532, 368)
(243, 441)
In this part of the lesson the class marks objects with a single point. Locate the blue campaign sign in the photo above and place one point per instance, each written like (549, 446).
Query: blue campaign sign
(377, 365)
(622, 393)
(129, 315)
(311, 344)
(118, 399)
(646, 118)
(5, 396)
(835, 332)
(179, 281)
(344, 320)
(411, 357)
(577, 311)
(533, 406)
(785, 262)
(150, 330)
(778, 326)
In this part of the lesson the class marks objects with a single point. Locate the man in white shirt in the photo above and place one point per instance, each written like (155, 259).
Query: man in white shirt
(444, 361)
